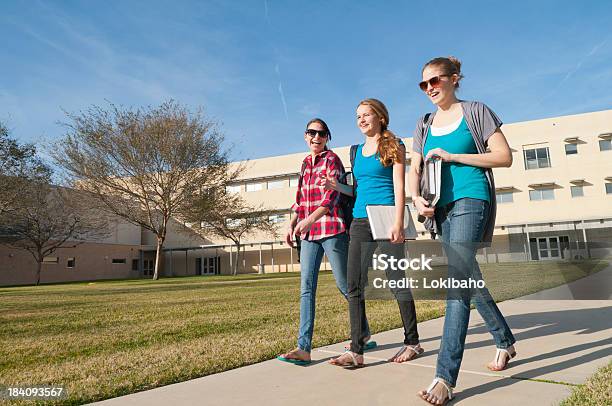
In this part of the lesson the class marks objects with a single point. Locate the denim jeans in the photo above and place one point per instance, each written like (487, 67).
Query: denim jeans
(311, 255)
(361, 248)
(462, 225)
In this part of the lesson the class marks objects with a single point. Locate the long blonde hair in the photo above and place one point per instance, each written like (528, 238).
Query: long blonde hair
(389, 151)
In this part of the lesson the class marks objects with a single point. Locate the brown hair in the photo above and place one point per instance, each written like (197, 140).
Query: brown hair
(389, 151)
(450, 65)
(325, 127)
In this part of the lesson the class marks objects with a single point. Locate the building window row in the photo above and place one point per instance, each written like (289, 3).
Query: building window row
(545, 193)
(269, 185)
(540, 157)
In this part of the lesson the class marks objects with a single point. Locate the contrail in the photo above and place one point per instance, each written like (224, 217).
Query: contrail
(569, 74)
(277, 66)
(280, 91)
(266, 11)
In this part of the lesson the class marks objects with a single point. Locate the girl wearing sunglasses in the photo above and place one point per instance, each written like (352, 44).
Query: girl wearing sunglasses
(379, 177)
(317, 220)
(466, 136)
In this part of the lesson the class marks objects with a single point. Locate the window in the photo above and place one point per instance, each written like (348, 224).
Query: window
(254, 187)
(293, 181)
(134, 265)
(277, 218)
(70, 262)
(50, 260)
(118, 261)
(571, 149)
(537, 158)
(232, 222)
(542, 194)
(577, 191)
(504, 197)
(276, 184)
(233, 189)
(605, 145)
(609, 188)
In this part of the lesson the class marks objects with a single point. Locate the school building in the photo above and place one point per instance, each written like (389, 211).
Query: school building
(554, 203)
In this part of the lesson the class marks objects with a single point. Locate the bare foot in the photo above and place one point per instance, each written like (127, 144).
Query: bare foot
(436, 395)
(297, 354)
(348, 359)
(502, 357)
(407, 353)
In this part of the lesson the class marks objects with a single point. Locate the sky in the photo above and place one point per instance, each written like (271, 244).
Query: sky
(262, 69)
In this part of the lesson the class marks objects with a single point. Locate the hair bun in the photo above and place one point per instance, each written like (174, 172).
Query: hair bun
(455, 62)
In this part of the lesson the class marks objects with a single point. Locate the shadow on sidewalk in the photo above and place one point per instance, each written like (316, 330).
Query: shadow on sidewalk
(543, 324)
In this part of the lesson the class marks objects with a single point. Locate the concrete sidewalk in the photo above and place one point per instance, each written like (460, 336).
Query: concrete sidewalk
(560, 343)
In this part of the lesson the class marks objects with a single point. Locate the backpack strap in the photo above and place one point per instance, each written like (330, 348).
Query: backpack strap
(353, 155)
(302, 170)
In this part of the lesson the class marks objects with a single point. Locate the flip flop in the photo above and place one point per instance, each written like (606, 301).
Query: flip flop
(370, 345)
(449, 390)
(353, 364)
(416, 349)
(500, 367)
(293, 361)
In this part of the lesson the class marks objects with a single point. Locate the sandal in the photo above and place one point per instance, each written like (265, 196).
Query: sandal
(369, 345)
(290, 357)
(353, 364)
(424, 394)
(500, 367)
(416, 349)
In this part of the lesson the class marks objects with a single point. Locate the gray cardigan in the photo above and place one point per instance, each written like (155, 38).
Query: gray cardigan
(482, 122)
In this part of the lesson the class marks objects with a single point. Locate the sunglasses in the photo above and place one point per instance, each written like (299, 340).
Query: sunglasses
(434, 82)
(313, 133)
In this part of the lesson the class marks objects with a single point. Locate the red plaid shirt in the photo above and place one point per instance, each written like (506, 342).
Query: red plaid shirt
(311, 196)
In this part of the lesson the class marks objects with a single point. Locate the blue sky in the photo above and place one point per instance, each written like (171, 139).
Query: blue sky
(264, 68)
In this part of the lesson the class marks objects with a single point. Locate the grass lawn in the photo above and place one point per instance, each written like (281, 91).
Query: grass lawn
(107, 339)
(597, 390)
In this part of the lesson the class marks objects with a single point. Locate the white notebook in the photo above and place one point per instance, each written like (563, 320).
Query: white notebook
(381, 219)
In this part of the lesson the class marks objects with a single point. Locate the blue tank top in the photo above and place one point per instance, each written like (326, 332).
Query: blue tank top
(458, 180)
(374, 183)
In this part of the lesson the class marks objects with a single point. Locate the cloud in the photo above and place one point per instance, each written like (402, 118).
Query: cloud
(310, 110)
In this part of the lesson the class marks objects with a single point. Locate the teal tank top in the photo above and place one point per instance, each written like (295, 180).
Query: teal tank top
(374, 183)
(458, 180)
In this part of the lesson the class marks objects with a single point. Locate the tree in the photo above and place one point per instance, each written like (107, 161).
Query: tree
(19, 165)
(47, 218)
(233, 220)
(144, 165)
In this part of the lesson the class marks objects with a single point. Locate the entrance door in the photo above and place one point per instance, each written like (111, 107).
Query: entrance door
(548, 248)
(210, 265)
(148, 266)
(198, 266)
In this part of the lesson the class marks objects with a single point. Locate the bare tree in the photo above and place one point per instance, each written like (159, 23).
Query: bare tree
(144, 165)
(48, 218)
(233, 220)
(19, 165)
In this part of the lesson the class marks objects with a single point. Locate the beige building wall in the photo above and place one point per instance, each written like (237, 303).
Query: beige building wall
(590, 168)
(92, 261)
(521, 227)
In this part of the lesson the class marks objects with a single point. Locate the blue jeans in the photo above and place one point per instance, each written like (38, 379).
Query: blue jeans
(462, 225)
(311, 255)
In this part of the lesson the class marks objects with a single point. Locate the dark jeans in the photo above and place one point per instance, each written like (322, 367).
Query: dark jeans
(361, 248)
(462, 225)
